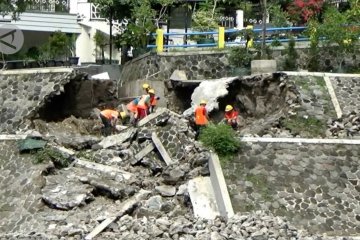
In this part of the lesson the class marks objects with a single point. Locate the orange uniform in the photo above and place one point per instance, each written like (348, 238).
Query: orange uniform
(231, 115)
(201, 116)
(143, 105)
(132, 106)
(110, 114)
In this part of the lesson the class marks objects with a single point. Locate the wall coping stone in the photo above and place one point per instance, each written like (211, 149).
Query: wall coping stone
(301, 140)
(321, 74)
(37, 70)
(186, 53)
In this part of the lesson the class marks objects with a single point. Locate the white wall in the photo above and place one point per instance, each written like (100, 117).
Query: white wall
(85, 47)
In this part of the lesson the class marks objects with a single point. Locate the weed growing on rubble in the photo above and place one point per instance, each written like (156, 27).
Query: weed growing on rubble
(221, 138)
(47, 154)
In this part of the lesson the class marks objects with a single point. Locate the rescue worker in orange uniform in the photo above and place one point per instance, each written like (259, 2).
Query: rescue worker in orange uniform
(109, 119)
(143, 106)
(132, 108)
(153, 100)
(201, 117)
(231, 117)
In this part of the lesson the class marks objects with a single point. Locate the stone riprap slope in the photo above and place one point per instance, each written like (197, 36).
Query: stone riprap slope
(20, 196)
(347, 91)
(315, 98)
(23, 92)
(317, 186)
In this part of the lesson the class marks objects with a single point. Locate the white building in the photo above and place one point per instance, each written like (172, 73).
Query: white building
(43, 17)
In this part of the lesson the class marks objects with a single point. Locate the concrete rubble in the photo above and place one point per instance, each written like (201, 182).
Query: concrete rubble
(108, 171)
(347, 126)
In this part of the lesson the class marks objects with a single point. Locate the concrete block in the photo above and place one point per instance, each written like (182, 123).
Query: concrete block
(178, 75)
(263, 66)
(220, 188)
(202, 197)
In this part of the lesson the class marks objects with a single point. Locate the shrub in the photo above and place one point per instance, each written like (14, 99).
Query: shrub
(240, 57)
(221, 138)
(291, 56)
(48, 154)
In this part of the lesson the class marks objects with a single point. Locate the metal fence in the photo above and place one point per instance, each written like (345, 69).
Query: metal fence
(280, 34)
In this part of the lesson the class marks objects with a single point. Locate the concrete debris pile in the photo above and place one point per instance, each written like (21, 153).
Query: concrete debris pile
(252, 226)
(159, 156)
(346, 126)
(134, 185)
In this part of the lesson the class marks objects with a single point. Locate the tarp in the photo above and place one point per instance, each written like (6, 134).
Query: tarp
(30, 144)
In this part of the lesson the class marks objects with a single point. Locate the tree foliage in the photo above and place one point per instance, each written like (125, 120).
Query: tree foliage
(13, 8)
(143, 18)
(339, 33)
(278, 17)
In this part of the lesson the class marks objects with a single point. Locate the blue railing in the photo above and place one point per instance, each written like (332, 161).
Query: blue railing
(231, 43)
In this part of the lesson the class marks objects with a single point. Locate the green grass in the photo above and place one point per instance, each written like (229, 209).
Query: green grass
(85, 154)
(320, 82)
(261, 185)
(309, 126)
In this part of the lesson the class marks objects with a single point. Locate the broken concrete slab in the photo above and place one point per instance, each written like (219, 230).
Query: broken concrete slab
(117, 139)
(111, 171)
(220, 188)
(149, 148)
(108, 187)
(64, 192)
(152, 116)
(77, 142)
(125, 206)
(203, 198)
(161, 149)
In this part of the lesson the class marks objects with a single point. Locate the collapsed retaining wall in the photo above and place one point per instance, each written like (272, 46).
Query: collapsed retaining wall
(51, 94)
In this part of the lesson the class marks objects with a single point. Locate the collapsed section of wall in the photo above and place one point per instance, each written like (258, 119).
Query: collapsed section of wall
(23, 92)
(49, 94)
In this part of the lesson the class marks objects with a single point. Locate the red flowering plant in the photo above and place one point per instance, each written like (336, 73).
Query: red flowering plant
(301, 11)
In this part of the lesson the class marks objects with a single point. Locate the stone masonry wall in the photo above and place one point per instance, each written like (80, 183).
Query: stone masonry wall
(317, 186)
(210, 64)
(204, 65)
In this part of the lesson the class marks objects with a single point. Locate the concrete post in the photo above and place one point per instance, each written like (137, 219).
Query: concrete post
(221, 40)
(159, 40)
(239, 19)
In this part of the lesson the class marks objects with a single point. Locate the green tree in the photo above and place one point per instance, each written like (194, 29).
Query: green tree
(278, 17)
(291, 56)
(101, 41)
(58, 44)
(339, 34)
(13, 8)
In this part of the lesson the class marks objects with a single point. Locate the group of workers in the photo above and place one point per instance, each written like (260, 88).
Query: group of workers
(231, 117)
(137, 109)
(141, 106)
